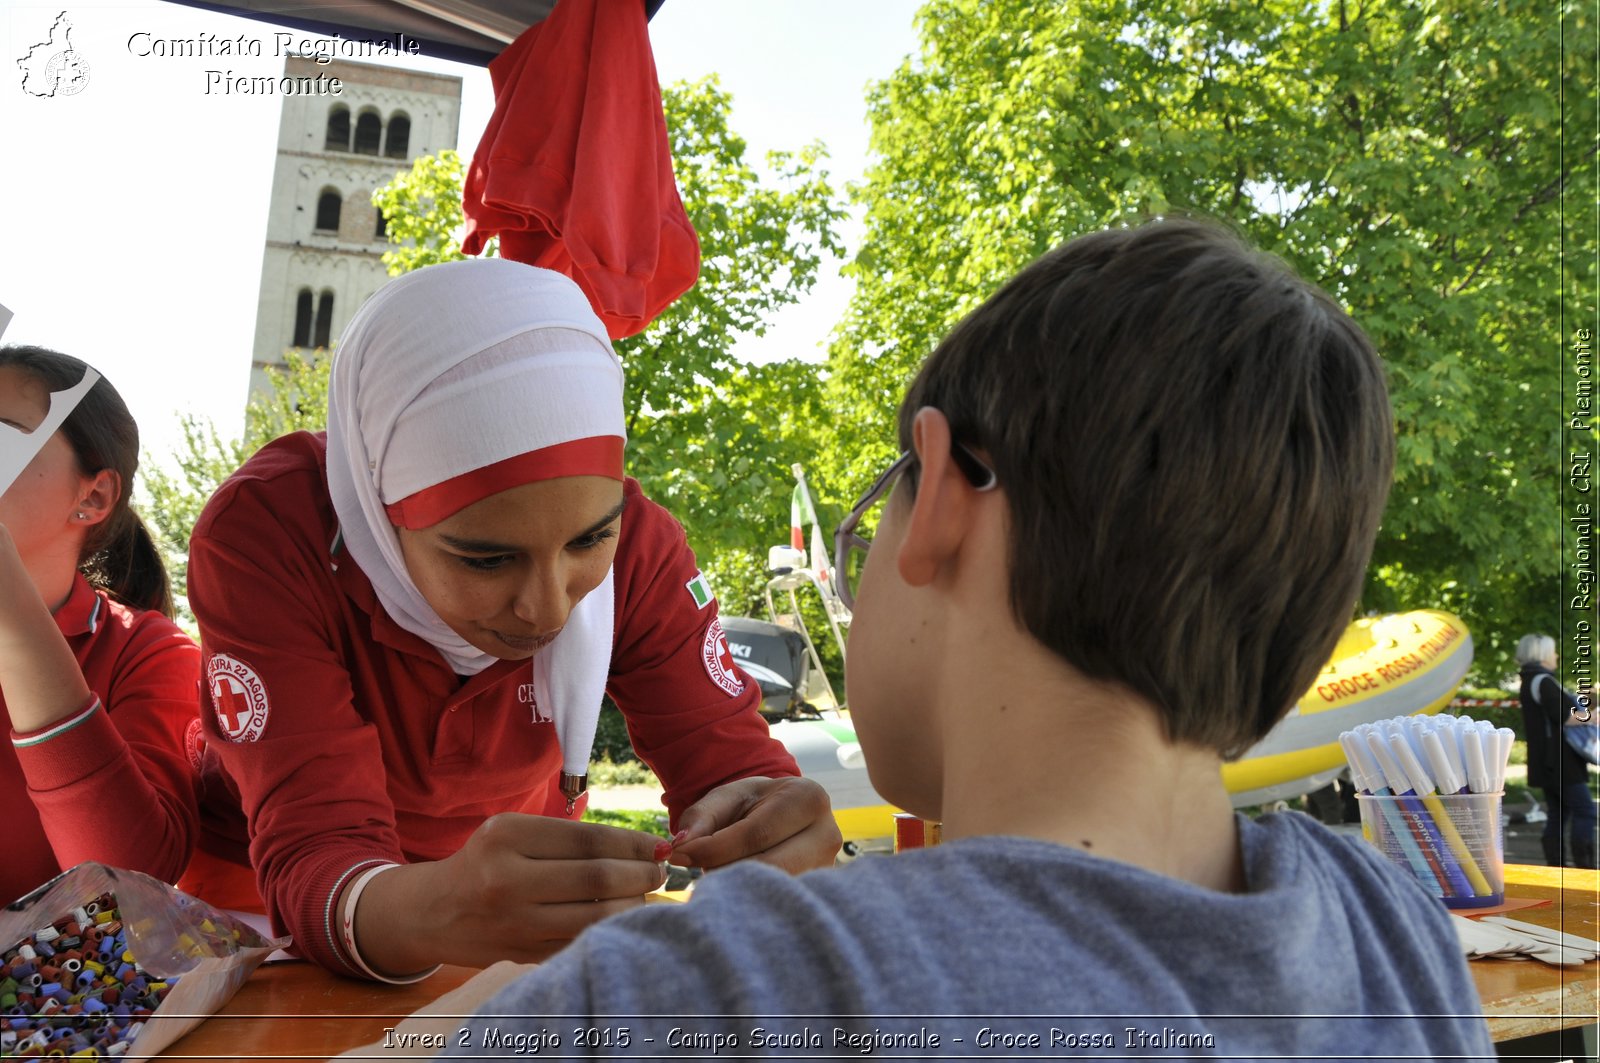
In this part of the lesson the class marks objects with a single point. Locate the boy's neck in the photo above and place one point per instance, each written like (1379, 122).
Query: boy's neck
(1044, 753)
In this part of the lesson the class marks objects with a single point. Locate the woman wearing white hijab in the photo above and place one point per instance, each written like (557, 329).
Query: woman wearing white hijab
(369, 605)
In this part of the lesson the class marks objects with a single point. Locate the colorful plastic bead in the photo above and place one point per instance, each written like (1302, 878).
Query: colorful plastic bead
(61, 998)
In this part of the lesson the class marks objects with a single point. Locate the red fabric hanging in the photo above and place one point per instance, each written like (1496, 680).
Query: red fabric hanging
(574, 172)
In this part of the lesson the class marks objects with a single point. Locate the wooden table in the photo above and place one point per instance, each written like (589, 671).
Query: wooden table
(1525, 997)
(299, 1011)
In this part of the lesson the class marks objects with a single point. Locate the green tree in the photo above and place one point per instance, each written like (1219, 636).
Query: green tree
(172, 499)
(1406, 156)
(709, 437)
(422, 215)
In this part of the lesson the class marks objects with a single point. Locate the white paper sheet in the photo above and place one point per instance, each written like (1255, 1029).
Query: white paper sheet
(17, 448)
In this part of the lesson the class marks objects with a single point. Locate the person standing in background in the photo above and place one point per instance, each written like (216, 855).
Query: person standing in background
(1553, 765)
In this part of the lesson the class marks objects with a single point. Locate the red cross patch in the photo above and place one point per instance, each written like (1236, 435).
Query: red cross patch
(238, 697)
(719, 660)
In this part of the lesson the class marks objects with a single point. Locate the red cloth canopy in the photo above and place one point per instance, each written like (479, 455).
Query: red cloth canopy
(574, 172)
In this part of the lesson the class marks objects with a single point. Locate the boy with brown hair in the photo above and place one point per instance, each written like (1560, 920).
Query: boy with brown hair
(1137, 496)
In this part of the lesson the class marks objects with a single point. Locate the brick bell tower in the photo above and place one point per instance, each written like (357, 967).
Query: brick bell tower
(325, 239)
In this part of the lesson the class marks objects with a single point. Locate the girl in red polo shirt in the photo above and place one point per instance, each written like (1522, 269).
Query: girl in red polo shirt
(97, 683)
(407, 627)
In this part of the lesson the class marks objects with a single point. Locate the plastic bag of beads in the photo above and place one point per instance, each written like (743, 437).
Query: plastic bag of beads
(102, 962)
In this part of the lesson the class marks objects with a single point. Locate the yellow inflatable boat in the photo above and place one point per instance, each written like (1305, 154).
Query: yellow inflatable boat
(1397, 665)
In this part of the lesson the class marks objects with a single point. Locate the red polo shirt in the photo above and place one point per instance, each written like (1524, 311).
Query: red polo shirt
(115, 784)
(343, 738)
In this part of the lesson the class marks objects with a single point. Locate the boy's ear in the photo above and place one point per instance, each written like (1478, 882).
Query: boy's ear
(942, 509)
(98, 497)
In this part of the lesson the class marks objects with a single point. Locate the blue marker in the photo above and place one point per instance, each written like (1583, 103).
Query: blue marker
(1437, 854)
(1369, 778)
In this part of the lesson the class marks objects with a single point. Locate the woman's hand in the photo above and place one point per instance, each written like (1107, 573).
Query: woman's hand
(519, 889)
(784, 822)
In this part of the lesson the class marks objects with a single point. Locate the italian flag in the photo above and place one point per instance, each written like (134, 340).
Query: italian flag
(800, 511)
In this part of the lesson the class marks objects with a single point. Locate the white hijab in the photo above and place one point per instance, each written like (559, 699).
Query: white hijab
(449, 369)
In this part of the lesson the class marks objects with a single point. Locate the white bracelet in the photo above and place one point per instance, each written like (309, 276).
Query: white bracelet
(347, 924)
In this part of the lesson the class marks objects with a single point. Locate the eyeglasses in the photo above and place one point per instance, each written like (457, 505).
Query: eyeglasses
(850, 544)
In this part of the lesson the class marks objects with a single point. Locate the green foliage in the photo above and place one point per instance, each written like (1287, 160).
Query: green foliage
(720, 457)
(605, 772)
(611, 741)
(815, 617)
(422, 215)
(296, 402)
(172, 501)
(629, 819)
(710, 438)
(738, 578)
(1501, 716)
(1491, 693)
(1404, 156)
(761, 244)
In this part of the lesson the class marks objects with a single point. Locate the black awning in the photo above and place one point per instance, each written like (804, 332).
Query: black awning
(467, 31)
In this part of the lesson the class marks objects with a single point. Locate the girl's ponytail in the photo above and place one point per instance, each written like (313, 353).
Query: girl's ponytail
(129, 566)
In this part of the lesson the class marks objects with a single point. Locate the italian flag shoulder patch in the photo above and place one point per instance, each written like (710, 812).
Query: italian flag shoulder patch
(700, 591)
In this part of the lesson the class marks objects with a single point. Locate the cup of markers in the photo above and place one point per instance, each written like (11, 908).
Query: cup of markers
(1431, 789)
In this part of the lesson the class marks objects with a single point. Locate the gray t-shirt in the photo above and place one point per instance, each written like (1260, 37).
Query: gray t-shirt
(1001, 946)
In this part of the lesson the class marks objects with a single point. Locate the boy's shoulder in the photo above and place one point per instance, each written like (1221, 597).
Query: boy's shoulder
(999, 926)
(986, 892)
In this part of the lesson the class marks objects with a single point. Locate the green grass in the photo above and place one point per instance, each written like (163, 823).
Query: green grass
(608, 772)
(629, 819)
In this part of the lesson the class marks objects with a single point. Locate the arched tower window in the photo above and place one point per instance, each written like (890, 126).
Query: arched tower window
(302, 318)
(381, 230)
(324, 318)
(328, 210)
(338, 138)
(399, 141)
(369, 134)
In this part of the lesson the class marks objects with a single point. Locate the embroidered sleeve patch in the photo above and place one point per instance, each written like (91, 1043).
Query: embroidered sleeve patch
(700, 591)
(719, 660)
(194, 744)
(238, 696)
